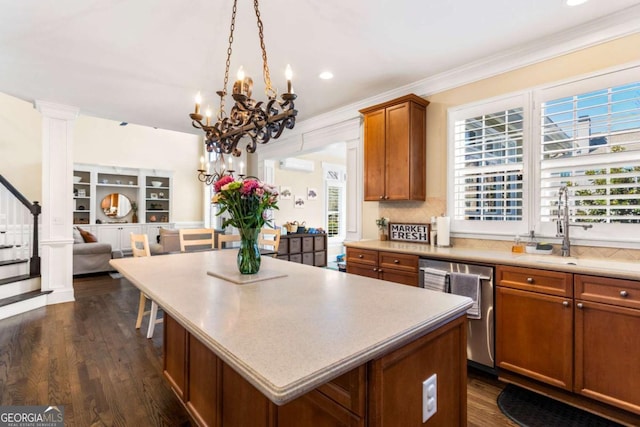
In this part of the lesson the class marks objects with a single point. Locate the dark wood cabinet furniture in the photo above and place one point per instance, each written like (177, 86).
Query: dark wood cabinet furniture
(577, 333)
(395, 150)
(379, 393)
(309, 249)
(391, 266)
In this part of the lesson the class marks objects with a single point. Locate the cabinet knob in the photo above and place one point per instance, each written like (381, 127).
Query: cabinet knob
(360, 256)
(396, 261)
(624, 294)
(565, 303)
(381, 197)
(579, 305)
(379, 270)
(529, 279)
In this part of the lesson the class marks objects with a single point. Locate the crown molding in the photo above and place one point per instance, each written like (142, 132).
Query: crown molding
(598, 31)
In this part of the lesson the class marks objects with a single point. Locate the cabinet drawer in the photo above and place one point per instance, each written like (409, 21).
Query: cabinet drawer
(295, 245)
(283, 247)
(625, 293)
(396, 261)
(318, 243)
(400, 276)
(530, 279)
(295, 258)
(362, 270)
(362, 256)
(307, 258)
(320, 259)
(307, 244)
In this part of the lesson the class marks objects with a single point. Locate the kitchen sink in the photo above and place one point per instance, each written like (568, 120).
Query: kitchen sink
(599, 264)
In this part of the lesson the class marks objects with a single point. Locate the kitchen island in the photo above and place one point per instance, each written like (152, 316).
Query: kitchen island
(312, 347)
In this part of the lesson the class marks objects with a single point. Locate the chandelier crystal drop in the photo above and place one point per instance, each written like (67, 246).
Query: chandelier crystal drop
(259, 121)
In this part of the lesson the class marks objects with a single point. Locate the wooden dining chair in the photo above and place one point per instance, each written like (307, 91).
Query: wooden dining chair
(140, 248)
(227, 238)
(192, 239)
(270, 238)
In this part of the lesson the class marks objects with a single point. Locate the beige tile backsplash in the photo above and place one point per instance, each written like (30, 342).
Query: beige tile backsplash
(421, 212)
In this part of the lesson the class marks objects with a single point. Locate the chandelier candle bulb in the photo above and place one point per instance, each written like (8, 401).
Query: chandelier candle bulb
(208, 114)
(288, 73)
(198, 102)
(241, 167)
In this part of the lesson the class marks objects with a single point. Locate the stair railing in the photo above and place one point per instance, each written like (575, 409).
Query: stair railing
(15, 219)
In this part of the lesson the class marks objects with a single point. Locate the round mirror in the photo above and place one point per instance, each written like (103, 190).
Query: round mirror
(116, 205)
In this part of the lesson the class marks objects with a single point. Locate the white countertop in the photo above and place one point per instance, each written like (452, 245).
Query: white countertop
(601, 267)
(288, 335)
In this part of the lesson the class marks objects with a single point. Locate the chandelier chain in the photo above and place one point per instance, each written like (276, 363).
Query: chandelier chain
(221, 113)
(265, 66)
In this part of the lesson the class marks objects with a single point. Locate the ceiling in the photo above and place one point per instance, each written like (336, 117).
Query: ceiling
(143, 61)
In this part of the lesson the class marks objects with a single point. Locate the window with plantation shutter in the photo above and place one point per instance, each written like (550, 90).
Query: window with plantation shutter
(488, 165)
(335, 201)
(590, 142)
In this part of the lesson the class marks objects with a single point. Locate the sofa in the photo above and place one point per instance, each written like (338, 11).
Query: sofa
(169, 241)
(89, 255)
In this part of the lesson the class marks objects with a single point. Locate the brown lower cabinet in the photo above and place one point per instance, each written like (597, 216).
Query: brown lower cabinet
(576, 333)
(392, 266)
(385, 392)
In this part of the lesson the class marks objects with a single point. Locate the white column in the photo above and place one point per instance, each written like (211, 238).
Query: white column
(57, 198)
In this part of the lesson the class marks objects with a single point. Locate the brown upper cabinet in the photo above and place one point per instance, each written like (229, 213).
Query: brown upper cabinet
(395, 149)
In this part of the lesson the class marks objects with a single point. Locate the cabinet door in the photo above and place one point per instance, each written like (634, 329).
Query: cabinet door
(607, 353)
(534, 335)
(110, 234)
(374, 155)
(397, 170)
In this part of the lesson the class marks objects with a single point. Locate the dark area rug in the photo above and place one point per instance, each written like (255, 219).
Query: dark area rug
(529, 409)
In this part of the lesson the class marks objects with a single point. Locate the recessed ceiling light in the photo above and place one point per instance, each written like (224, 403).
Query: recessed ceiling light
(326, 75)
(575, 2)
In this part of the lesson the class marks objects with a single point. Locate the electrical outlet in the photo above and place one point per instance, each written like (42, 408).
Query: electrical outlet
(429, 397)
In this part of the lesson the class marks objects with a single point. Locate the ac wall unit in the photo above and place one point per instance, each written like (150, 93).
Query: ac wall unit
(297, 165)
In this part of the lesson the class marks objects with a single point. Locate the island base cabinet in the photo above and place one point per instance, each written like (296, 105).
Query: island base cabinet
(386, 391)
(606, 366)
(395, 380)
(175, 350)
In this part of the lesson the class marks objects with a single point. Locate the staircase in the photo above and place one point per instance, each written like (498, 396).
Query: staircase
(19, 259)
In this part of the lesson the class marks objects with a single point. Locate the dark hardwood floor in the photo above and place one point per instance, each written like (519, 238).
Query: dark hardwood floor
(88, 357)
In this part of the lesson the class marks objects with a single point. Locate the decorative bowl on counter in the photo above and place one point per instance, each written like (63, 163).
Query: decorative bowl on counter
(156, 183)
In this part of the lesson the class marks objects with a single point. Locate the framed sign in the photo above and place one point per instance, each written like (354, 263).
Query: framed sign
(418, 233)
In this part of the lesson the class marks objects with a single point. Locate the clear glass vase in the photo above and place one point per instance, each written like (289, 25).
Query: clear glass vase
(249, 253)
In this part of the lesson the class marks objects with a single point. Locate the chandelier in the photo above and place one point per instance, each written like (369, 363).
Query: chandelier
(260, 121)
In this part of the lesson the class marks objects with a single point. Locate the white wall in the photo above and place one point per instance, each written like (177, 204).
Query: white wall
(105, 142)
(21, 146)
(101, 142)
(313, 212)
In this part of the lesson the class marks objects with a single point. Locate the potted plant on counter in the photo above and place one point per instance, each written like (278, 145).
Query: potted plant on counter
(382, 224)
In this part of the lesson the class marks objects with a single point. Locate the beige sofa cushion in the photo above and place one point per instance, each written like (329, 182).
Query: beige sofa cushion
(170, 240)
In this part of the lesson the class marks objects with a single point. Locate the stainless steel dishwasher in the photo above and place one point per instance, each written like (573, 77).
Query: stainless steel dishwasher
(480, 332)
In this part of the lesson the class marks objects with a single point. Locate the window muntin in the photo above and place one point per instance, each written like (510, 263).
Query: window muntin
(591, 143)
(488, 160)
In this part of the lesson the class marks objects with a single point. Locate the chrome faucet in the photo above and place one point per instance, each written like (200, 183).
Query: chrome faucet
(562, 222)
